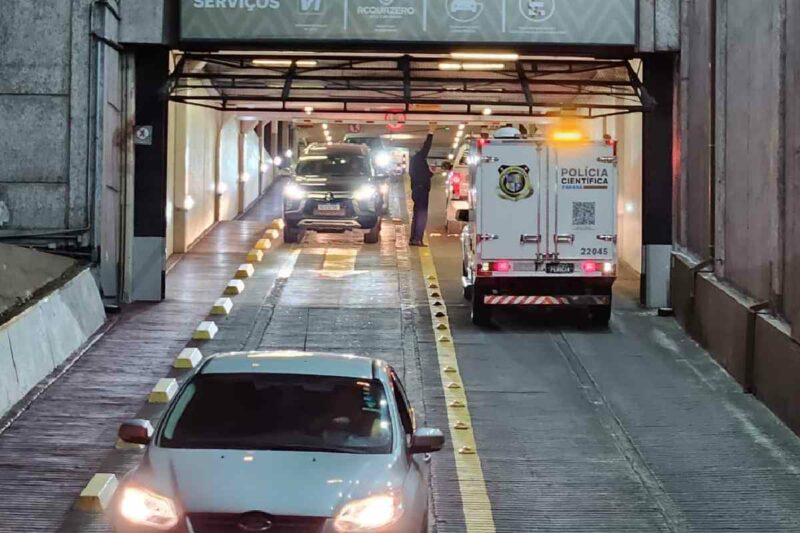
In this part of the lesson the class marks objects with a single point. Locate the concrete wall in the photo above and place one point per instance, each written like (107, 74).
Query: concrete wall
(659, 25)
(745, 145)
(627, 130)
(192, 173)
(229, 169)
(35, 342)
(44, 113)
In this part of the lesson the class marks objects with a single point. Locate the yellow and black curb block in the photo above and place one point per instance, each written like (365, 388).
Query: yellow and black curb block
(255, 256)
(222, 306)
(164, 391)
(98, 493)
(263, 244)
(188, 358)
(272, 234)
(206, 331)
(475, 500)
(234, 287)
(245, 271)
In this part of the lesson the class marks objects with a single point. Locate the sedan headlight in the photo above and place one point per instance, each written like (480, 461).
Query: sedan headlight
(368, 514)
(142, 507)
(294, 192)
(365, 192)
(382, 159)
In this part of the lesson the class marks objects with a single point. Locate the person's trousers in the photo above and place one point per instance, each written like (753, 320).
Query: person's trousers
(419, 221)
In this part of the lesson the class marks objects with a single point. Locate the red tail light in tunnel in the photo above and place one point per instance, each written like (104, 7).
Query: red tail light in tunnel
(455, 183)
(590, 267)
(488, 267)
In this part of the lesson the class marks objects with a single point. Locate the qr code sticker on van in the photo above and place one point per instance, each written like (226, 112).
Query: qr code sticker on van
(583, 213)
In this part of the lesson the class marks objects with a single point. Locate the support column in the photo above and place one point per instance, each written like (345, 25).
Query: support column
(150, 176)
(658, 129)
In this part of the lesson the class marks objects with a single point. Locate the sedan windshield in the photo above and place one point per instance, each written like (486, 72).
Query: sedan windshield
(340, 165)
(280, 412)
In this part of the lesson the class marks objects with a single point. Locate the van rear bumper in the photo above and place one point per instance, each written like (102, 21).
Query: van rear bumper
(549, 291)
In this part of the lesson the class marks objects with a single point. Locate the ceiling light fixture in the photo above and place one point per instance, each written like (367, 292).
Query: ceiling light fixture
(485, 56)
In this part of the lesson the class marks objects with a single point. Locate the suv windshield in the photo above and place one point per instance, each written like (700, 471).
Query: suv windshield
(280, 412)
(333, 165)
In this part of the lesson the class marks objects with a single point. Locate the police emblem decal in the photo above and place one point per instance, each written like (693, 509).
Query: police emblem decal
(515, 182)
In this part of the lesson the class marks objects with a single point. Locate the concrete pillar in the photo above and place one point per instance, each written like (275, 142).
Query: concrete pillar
(658, 129)
(150, 176)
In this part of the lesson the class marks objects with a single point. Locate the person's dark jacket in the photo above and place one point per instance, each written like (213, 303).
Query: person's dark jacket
(420, 172)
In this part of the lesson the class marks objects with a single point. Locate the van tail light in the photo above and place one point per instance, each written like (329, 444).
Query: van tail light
(590, 267)
(487, 268)
(455, 183)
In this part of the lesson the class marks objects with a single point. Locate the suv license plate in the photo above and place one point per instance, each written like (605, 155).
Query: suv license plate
(560, 268)
(329, 207)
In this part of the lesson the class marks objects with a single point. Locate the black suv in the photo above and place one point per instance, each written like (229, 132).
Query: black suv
(334, 190)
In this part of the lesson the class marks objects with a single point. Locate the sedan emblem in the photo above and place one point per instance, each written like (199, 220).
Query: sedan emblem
(254, 522)
(329, 196)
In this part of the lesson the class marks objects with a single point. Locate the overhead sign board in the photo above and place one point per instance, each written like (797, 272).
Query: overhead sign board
(600, 22)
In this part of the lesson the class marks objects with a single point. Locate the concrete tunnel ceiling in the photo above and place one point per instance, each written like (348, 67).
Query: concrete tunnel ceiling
(430, 84)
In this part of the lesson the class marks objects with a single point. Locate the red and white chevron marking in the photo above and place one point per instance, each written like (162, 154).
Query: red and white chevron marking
(545, 300)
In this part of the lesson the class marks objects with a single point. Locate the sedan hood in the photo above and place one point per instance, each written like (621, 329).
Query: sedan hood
(274, 482)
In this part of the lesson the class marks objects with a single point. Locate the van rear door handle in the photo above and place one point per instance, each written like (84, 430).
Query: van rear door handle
(607, 238)
(565, 238)
(488, 237)
(530, 239)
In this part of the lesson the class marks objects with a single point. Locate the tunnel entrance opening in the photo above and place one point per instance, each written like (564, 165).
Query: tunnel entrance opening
(256, 107)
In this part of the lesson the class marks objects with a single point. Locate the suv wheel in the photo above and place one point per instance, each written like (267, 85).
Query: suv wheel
(374, 235)
(291, 234)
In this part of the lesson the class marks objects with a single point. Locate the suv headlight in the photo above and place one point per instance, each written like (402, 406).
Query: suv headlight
(293, 191)
(368, 514)
(382, 159)
(143, 507)
(365, 192)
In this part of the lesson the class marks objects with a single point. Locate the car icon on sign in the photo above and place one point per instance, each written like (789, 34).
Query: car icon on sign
(464, 5)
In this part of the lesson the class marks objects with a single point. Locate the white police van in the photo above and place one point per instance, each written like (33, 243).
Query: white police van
(542, 227)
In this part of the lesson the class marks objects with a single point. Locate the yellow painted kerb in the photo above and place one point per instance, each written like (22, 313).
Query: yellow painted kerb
(474, 498)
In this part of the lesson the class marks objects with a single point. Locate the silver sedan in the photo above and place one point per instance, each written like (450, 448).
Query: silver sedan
(278, 442)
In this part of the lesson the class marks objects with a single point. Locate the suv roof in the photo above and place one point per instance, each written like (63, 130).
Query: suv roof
(335, 149)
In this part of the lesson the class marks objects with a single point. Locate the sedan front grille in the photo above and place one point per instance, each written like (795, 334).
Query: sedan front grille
(236, 523)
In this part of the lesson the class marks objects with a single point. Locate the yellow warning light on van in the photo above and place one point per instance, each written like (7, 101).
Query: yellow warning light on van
(567, 135)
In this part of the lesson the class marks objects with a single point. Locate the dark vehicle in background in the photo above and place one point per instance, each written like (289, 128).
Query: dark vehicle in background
(335, 189)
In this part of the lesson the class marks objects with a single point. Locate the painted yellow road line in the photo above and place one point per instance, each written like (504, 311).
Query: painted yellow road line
(339, 262)
(474, 498)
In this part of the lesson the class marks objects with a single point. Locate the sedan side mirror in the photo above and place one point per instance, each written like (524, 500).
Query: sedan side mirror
(136, 431)
(462, 215)
(427, 440)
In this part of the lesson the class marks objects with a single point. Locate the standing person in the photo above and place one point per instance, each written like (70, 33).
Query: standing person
(421, 176)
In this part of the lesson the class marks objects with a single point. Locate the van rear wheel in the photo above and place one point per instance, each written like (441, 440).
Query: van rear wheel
(481, 313)
(600, 315)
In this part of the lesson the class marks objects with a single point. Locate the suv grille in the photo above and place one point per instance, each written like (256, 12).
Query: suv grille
(231, 523)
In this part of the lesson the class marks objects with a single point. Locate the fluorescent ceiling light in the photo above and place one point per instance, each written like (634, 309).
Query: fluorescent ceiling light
(398, 136)
(487, 111)
(485, 56)
(284, 62)
(483, 66)
(471, 66)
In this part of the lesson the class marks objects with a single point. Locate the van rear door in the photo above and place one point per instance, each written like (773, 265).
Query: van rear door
(583, 193)
(510, 196)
